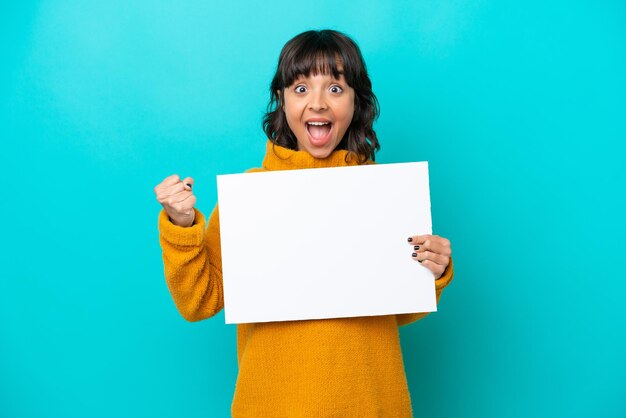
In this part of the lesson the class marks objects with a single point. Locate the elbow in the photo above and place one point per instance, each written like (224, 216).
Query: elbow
(195, 314)
(190, 315)
(199, 304)
(406, 319)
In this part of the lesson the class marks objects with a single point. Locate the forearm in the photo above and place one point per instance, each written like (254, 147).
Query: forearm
(193, 278)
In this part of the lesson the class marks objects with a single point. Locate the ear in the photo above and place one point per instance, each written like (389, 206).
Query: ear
(280, 100)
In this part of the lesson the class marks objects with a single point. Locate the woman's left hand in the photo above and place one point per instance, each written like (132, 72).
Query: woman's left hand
(432, 251)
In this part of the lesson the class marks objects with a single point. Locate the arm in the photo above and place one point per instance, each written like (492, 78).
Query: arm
(193, 265)
(440, 284)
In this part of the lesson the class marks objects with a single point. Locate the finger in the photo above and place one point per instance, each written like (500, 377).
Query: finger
(434, 262)
(163, 196)
(174, 189)
(417, 239)
(431, 242)
(434, 244)
(166, 196)
(434, 257)
(179, 197)
(437, 269)
(167, 182)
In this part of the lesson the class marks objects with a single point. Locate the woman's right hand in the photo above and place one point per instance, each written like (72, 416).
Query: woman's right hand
(177, 199)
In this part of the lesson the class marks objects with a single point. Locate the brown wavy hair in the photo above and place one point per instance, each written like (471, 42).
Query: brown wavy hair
(315, 52)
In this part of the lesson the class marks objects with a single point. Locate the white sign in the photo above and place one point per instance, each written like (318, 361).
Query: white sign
(324, 242)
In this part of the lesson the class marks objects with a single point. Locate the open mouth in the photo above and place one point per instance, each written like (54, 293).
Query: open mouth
(319, 132)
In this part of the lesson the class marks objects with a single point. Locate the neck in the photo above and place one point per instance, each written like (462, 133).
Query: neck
(280, 158)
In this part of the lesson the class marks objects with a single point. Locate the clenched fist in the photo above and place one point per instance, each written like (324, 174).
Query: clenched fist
(177, 199)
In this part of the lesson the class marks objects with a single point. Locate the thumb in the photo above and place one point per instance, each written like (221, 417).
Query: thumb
(188, 183)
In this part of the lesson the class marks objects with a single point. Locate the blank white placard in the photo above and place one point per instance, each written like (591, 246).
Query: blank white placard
(324, 243)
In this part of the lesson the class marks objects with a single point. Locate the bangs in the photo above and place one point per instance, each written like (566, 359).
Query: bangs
(313, 58)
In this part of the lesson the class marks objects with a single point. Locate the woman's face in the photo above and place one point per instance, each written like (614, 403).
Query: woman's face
(319, 109)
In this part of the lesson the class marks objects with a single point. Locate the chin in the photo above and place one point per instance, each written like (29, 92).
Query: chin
(319, 153)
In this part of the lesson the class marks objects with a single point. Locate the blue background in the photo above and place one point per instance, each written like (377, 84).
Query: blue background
(518, 107)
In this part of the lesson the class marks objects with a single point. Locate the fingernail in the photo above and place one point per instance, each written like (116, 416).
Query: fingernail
(414, 254)
(410, 239)
(417, 247)
(188, 185)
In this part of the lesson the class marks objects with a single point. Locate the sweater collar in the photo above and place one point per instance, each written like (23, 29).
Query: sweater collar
(281, 158)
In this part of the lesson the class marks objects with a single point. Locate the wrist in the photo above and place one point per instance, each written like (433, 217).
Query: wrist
(182, 224)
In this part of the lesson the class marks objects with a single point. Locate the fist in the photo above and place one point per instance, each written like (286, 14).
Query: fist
(177, 199)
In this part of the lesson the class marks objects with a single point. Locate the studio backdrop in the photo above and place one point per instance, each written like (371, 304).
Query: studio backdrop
(517, 106)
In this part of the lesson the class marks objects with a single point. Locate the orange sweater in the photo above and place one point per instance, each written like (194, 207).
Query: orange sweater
(344, 367)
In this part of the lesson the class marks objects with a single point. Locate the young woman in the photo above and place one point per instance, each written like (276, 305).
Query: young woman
(321, 114)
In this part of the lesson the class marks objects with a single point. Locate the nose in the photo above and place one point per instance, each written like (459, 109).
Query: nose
(318, 100)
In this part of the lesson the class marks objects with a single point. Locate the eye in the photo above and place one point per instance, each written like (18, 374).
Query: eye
(299, 89)
(336, 89)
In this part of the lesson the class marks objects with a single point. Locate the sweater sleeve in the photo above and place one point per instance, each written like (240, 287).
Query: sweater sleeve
(193, 265)
(440, 284)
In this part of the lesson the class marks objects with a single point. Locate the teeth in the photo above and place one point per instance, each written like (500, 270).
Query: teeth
(318, 123)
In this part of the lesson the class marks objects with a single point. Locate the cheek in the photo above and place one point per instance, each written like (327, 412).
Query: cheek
(350, 108)
(349, 114)
(293, 122)
(292, 112)
(288, 116)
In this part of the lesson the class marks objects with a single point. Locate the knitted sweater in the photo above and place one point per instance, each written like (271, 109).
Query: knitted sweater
(343, 367)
